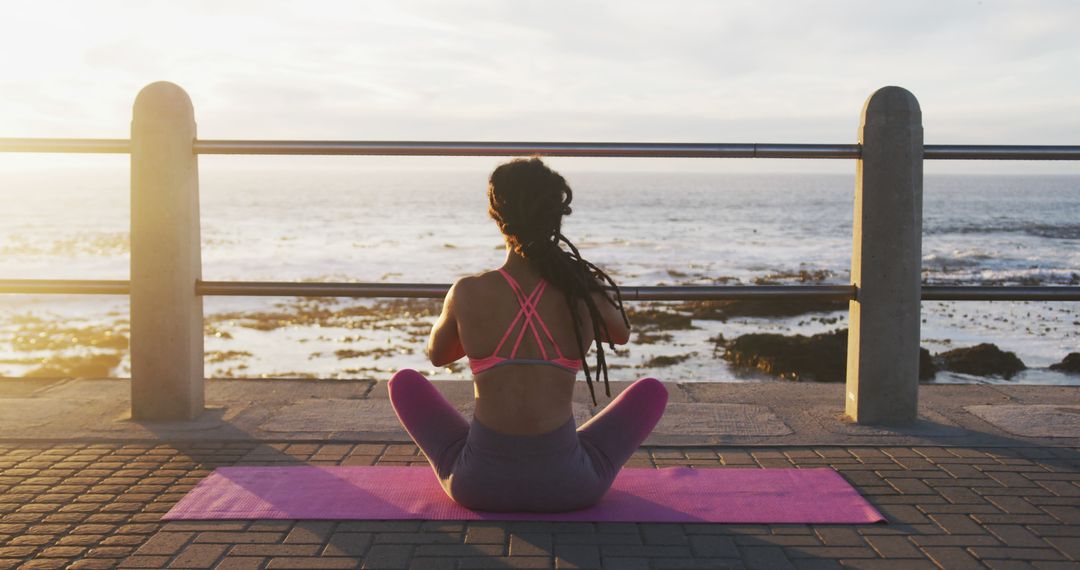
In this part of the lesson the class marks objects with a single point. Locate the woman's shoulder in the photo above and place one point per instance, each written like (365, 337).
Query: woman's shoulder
(477, 283)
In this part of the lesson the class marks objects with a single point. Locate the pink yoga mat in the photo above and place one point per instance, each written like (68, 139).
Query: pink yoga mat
(672, 494)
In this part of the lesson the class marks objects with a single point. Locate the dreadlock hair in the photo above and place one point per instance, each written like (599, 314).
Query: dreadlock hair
(527, 200)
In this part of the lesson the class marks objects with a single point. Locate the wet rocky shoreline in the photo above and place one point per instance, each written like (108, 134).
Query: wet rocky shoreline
(370, 338)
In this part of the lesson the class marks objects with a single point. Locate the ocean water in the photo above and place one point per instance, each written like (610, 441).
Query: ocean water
(648, 228)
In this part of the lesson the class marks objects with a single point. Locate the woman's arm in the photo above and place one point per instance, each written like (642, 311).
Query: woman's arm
(444, 344)
(618, 330)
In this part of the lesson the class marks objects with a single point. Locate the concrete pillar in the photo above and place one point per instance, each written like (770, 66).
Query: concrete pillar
(883, 334)
(166, 314)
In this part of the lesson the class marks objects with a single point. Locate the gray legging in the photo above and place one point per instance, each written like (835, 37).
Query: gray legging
(561, 470)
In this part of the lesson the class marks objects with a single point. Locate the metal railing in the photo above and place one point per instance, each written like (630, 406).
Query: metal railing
(580, 149)
(629, 293)
(883, 354)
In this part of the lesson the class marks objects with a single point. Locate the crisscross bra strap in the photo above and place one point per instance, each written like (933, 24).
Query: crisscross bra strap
(531, 317)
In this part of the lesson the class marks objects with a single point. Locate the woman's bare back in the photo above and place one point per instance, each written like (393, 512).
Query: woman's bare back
(519, 399)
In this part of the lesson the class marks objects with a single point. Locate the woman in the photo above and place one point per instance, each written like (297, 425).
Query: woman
(521, 327)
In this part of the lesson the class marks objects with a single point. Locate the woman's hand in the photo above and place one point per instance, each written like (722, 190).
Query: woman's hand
(444, 344)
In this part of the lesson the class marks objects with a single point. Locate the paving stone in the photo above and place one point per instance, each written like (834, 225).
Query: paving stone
(893, 547)
(124, 540)
(878, 564)
(61, 552)
(479, 533)
(778, 540)
(713, 546)
(1016, 536)
(1008, 479)
(910, 486)
(385, 556)
(1055, 530)
(310, 532)
(269, 526)
(275, 550)
(950, 509)
(791, 529)
(577, 556)
(616, 563)
(1069, 546)
(165, 543)
(958, 524)
(620, 550)
(379, 526)
(839, 536)
(1061, 488)
(1009, 565)
(30, 540)
(663, 534)
(240, 537)
(765, 558)
(304, 563)
(862, 477)
(1013, 519)
(599, 538)
(504, 562)
(44, 564)
(1065, 514)
(442, 526)
(952, 557)
(530, 544)
(831, 552)
(617, 527)
(964, 540)
(696, 564)
(424, 563)
(140, 562)
(961, 496)
(418, 538)
(209, 525)
(240, 563)
(1013, 507)
(816, 564)
(348, 544)
(201, 555)
(997, 552)
(1053, 565)
(109, 552)
(459, 550)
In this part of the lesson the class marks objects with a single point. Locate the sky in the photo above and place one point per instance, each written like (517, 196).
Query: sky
(762, 71)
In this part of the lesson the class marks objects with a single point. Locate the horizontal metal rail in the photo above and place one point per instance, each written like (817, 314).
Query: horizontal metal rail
(974, 293)
(286, 289)
(67, 146)
(999, 152)
(65, 287)
(454, 148)
(630, 293)
(467, 148)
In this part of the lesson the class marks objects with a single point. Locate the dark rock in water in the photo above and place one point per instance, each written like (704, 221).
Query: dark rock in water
(656, 319)
(1070, 363)
(821, 358)
(981, 360)
(661, 361)
(927, 368)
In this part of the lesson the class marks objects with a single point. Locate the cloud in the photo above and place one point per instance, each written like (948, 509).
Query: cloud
(765, 71)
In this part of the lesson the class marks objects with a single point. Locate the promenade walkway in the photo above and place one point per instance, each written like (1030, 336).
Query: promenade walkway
(988, 478)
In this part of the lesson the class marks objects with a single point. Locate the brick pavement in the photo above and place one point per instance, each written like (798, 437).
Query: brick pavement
(97, 505)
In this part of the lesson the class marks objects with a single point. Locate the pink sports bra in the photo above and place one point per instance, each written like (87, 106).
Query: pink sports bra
(528, 305)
